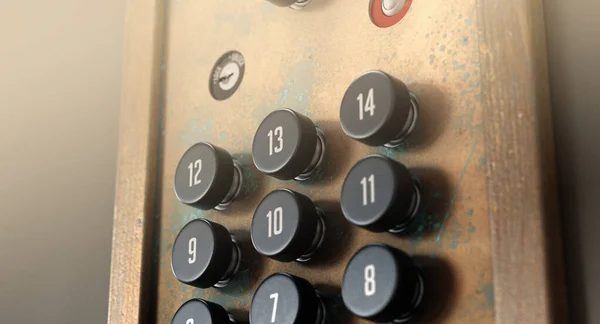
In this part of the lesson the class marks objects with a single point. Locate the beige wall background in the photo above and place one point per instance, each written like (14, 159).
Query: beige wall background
(60, 77)
(574, 56)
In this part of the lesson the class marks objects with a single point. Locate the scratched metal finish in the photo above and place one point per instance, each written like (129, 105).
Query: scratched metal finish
(304, 60)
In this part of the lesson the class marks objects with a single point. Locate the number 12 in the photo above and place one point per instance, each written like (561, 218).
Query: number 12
(195, 178)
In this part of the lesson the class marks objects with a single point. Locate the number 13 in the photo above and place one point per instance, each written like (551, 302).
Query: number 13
(278, 132)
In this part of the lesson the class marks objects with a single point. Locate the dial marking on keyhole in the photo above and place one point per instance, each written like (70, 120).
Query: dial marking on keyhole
(227, 75)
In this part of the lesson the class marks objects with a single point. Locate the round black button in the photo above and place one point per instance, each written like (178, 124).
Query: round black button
(207, 177)
(378, 109)
(379, 195)
(286, 299)
(204, 254)
(198, 311)
(294, 4)
(287, 226)
(382, 284)
(287, 145)
(282, 3)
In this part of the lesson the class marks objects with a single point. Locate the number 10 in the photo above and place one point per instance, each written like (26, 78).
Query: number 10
(275, 220)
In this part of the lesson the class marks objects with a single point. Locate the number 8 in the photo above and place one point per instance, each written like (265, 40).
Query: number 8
(369, 280)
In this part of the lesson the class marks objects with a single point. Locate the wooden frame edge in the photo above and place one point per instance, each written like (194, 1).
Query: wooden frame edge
(526, 245)
(130, 298)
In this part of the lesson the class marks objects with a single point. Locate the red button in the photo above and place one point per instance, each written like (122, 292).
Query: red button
(382, 20)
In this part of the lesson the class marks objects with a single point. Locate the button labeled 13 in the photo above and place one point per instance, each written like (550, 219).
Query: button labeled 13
(288, 145)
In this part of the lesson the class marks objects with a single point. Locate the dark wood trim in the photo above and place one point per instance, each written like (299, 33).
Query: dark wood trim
(525, 235)
(130, 296)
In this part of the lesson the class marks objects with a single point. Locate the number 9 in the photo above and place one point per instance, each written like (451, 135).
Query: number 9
(192, 250)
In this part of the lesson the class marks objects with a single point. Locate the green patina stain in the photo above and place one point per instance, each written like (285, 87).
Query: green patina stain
(470, 212)
(482, 161)
(471, 228)
(455, 233)
(197, 132)
(488, 292)
(297, 91)
(391, 153)
(250, 184)
(458, 66)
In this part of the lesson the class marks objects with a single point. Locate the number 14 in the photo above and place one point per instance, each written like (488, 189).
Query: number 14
(368, 107)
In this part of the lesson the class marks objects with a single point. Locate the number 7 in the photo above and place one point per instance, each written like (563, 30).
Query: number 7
(275, 298)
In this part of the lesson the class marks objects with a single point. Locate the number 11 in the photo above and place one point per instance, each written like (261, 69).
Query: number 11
(365, 193)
